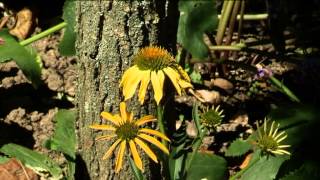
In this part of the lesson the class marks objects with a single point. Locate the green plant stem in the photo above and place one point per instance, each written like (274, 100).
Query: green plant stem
(196, 145)
(250, 17)
(160, 122)
(237, 47)
(224, 20)
(238, 174)
(43, 34)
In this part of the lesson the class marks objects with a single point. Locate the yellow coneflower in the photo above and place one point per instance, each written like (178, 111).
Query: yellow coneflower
(269, 138)
(211, 118)
(127, 131)
(152, 64)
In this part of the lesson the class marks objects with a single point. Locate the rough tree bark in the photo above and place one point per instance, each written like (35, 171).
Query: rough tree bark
(108, 34)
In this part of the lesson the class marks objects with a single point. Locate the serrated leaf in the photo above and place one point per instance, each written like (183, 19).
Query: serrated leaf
(34, 160)
(64, 138)
(67, 44)
(207, 166)
(265, 168)
(10, 49)
(238, 147)
(196, 17)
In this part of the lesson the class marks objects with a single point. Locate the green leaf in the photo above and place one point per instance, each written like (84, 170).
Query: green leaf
(207, 166)
(36, 161)
(265, 168)
(238, 147)
(25, 59)
(136, 172)
(196, 17)
(64, 138)
(67, 44)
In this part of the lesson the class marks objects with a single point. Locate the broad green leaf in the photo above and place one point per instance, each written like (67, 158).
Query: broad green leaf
(238, 147)
(136, 172)
(36, 161)
(207, 166)
(10, 49)
(196, 18)
(265, 168)
(67, 44)
(64, 138)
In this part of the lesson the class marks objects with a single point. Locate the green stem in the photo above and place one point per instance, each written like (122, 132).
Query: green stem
(250, 17)
(238, 174)
(160, 122)
(43, 34)
(237, 47)
(195, 147)
(224, 20)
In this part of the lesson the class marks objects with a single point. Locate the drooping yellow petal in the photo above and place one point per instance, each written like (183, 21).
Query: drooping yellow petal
(106, 137)
(111, 149)
(146, 149)
(154, 141)
(123, 112)
(102, 127)
(145, 119)
(135, 155)
(130, 86)
(185, 84)
(110, 117)
(155, 133)
(157, 84)
(143, 86)
(128, 74)
(173, 76)
(130, 116)
(120, 155)
(183, 73)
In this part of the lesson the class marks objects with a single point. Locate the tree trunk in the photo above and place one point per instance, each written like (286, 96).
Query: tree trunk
(109, 33)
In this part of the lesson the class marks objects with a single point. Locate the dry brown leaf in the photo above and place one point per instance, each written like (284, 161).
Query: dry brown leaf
(25, 23)
(14, 170)
(212, 97)
(246, 161)
(223, 84)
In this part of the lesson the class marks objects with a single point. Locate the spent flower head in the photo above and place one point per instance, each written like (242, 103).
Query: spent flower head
(128, 132)
(152, 63)
(269, 138)
(211, 117)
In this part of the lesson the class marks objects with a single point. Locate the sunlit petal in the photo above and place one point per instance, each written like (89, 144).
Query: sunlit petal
(130, 116)
(173, 76)
(157, 86)
(102, 127)
(111, 149)
(119, 159)
(144, 85)
(185, 84)
(110, 117)
(135, 155)
(106, 137)
(155, 133)
(123, 112)
(128, 75)
(130, 86)
(154, 141)
(146, 149)
(145, 119)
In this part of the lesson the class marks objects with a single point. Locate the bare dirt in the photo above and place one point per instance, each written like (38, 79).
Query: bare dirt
(26, 114)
